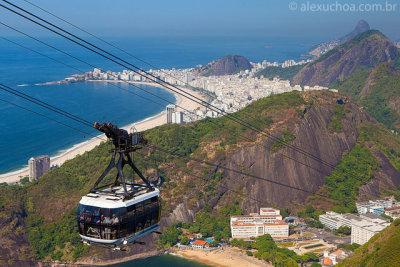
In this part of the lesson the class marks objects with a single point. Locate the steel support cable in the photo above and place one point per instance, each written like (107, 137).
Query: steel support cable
(85, 62)
(72, 67)
(44, 104)
(49, 118)
(194, 159)
(238, 172)
(190, 158)
(160, 82)
(220, 185)
(111, 83)
(107, 42)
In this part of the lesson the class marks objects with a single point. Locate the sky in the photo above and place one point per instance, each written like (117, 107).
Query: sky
(214, 17)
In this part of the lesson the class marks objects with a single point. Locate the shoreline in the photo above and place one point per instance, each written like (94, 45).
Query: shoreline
(220, 257)
(63, 155)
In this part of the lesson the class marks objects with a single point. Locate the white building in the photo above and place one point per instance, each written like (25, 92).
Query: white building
(177, 117)
(362, 231)
(376, 207)
(333, 220)
(393, 212)
(269, 221)
(270, 211)
(38, 166)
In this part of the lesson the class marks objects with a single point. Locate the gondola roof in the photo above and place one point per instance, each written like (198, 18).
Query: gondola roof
(114, 198)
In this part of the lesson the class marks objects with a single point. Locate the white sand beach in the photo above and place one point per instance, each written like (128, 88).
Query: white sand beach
(159, 119)
(227, 257)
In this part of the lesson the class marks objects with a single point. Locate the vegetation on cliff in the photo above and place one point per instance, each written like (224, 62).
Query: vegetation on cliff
(378, 91)
(279, 72)
(267, 250)
(44, 210)
(364, 52)
(355, 169)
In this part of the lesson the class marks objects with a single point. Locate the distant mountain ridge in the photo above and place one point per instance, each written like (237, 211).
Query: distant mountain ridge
(362, 26)
(367, 68)
(227, 65)
(364, 52)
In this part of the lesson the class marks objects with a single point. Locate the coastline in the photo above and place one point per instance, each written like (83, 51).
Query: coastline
(82, 147)
(225, 257)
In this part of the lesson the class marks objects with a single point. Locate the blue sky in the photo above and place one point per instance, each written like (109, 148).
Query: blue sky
(208, 17)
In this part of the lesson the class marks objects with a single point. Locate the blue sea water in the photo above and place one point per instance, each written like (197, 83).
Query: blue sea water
(164, 260)
(23, 134)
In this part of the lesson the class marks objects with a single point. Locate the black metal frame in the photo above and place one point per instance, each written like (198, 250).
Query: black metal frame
(123, 146)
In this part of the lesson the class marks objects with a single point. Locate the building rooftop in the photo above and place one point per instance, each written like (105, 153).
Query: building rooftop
(200, 242)
(327, 261)
(278, 222)
(393, 209)
(255, 215)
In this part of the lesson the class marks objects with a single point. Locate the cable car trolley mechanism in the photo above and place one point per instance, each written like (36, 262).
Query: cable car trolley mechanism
(119, 212)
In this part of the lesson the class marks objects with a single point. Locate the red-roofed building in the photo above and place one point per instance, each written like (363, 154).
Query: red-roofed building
(200, 244)
(327, 262)
(393, 212)
(269, 211)
(269, 221)
(332, 258)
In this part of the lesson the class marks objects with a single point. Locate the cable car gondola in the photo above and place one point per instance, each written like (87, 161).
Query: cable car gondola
(120, 212)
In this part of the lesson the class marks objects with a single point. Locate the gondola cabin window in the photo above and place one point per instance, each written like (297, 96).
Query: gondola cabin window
(116, 223)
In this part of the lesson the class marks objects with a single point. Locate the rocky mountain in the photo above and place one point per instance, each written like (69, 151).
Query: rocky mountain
(362, 26)
(228, 65)
(364, 52)
(365, 156)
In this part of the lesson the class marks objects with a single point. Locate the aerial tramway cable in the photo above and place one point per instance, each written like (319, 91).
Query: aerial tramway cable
(209, 163)
(129, 91)
(160, 82)
(66, 37)
(49, 118)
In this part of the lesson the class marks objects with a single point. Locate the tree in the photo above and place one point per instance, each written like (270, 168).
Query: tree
(312, 256)
(285, 212)
(185, 240)
(214, 243)
(345, 230)
(314, 264)
(387, 217)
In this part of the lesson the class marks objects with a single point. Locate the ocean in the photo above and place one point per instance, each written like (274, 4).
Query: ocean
(164, 260)
(23, 134)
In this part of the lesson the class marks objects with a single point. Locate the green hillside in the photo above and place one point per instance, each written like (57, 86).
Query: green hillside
(381, 250)
(41, 214)
(282, 73)
(378, 91)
